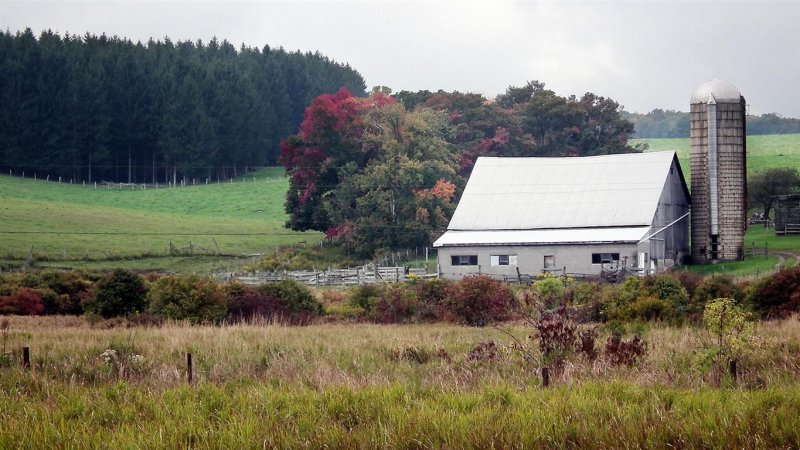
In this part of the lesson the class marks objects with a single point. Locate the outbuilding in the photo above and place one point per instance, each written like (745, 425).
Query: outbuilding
(578, 215)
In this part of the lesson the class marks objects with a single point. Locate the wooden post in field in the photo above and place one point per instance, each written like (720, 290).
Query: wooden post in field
(545, 376)
(26, 357)
(732, 370)
(519, 276)
(189, 374)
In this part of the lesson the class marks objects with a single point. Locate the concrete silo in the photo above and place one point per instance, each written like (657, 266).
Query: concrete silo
(719, 178)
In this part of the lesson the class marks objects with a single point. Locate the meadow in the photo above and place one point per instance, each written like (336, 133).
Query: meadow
(64, 225)
(394, 386)
(763, 152)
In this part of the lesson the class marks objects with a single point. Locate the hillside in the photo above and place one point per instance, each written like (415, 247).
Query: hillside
(763, 152)
(62, 223)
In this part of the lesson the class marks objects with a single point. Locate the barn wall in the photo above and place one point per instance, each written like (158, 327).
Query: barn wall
(530, 259)
(673, 204)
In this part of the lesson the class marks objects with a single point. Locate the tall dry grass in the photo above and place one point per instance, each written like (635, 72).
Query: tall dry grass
(69, 349)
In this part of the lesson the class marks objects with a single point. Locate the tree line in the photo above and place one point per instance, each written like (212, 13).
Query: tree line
(94, 108)
(383, 173)
(660, 123)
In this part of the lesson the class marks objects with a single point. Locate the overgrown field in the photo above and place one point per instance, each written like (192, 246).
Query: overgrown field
(399, 386)
(63, 223)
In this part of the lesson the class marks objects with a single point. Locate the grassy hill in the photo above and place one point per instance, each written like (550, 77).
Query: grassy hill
(133, 228)
(763, 152)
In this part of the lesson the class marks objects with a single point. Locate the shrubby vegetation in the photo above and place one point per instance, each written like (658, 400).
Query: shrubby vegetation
(118, 293)
(677, 298)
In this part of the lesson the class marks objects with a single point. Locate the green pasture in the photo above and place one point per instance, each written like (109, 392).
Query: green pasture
(763, 152)
(60, 224)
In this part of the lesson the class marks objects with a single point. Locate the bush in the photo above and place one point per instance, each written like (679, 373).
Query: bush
(558, 336)
(478, 300)
(187, 298)
(620, 352)
(659, 297)
(664, 287)
(398, 304)
(650, 308)
(550, 291)
(713, 287)
(365, 296)
(248, 303)
(588, 299)
(117, 294)
(70, 290)
(431, 295)
(730, 324)
(294, 297)
(777, 295)
(689, 280)
(24, 302)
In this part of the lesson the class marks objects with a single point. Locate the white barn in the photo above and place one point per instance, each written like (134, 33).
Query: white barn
(579, 215)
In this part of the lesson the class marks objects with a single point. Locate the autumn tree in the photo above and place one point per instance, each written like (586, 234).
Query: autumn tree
(568, 126)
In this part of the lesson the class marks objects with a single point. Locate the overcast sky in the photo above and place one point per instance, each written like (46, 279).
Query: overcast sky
(644, 54)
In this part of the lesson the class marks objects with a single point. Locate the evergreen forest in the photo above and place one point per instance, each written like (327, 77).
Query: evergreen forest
(99, 108)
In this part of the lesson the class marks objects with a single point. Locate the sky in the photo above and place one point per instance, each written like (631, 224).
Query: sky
(644, 54)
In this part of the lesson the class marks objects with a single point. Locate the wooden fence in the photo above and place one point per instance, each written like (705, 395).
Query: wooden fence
(366, 274)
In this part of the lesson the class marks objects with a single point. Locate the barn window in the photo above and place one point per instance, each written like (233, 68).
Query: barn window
(549, 261)
(464, 260)
(604, 258)
(504, 260)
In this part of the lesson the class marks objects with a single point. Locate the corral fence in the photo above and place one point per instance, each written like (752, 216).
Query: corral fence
(356, 276)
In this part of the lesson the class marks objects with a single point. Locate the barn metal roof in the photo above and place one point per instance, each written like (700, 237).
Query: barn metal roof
(551, 193)
(543, 237)
(720, 91)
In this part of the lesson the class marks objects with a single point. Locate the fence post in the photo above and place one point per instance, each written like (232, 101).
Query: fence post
(545, 376)
(189, 374)
(26, 357)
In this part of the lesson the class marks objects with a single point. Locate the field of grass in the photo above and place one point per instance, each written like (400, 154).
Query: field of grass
(763, 152)
(65, 223)
(366, 386)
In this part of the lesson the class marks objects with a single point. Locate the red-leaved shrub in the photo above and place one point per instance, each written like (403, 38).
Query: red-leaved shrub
(557, 335)
(24, 302)
(620, 352)
(477, 301)
(246, 303)
(431, 295)
(777, 295)
(397, 304)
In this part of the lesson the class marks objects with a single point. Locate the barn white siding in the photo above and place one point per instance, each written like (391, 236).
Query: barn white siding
(561, 211)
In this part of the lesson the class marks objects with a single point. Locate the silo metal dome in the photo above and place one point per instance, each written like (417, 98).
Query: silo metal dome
(720, 91)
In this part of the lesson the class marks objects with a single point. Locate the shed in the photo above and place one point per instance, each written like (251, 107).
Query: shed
(787, 214)
(576, 214)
